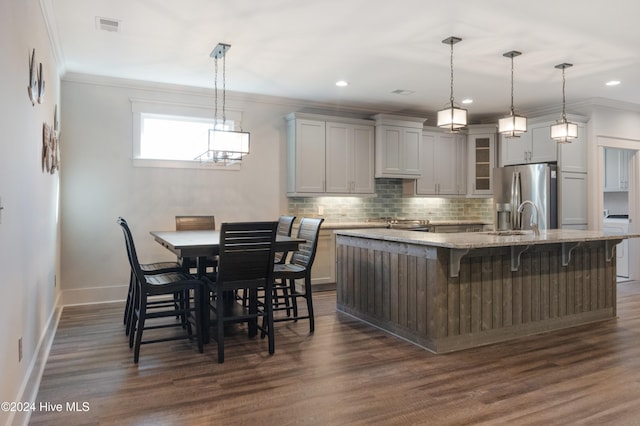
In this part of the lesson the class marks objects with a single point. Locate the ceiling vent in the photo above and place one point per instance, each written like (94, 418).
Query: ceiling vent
(106, 24)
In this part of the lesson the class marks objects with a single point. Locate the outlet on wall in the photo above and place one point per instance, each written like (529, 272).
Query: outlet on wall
(20, 349)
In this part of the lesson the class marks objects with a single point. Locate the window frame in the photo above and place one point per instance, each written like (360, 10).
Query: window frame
(181, 111)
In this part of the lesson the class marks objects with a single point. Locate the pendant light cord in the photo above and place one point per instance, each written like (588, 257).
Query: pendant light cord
(215, 91)
(451, 62)
(512, 111)
(564, 117)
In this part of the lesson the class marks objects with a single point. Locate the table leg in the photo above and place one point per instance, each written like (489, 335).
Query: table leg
(204, 301)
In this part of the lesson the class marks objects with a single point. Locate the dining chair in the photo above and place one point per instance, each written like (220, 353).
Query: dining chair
(245, 261)
(147, 268)
(299, 267)
(162, 284)
(197, 223)
(285, 225)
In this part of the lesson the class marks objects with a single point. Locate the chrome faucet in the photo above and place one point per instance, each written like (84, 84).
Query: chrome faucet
(534, 224)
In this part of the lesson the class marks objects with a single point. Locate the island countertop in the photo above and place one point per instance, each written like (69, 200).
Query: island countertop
(473, 240)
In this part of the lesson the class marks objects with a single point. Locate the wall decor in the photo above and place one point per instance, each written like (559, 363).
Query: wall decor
(46, 155)
(32, 88)
(40, 84)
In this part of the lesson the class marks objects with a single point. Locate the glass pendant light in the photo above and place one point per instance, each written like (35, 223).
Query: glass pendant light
(224, 145)
(513, 125)
(564, 131)
(452, 118)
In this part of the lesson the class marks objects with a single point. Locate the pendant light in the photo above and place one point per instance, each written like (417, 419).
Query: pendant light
(564, 131)
(452, 118)
(224, 145)
(513, 125)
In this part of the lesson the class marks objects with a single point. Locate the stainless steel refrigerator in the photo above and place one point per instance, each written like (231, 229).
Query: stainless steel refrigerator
(514, 184)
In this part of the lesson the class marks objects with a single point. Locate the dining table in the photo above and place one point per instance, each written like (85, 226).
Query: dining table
(201, 244)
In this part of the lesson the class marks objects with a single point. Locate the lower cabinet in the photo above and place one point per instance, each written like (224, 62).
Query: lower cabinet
(323, 271)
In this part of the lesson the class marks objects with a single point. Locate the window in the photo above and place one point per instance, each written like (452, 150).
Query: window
(173, 135)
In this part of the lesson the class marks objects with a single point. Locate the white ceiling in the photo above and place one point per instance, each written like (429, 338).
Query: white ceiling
(300, 48)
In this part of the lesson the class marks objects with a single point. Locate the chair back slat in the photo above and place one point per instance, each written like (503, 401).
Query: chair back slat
(309, 230)
(195, 223)
(131, 249)
(246, 251)
(285, 224)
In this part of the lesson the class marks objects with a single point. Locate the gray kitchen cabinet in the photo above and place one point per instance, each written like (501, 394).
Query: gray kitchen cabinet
(616, 170)
(481, 152)
(572, 199)
(442, 164)
(329, 155)
(534, 146)
(397, 146)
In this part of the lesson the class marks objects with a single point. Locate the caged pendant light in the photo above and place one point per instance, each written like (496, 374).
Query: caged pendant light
(452, 118)
(513, 125)
(564, 131)
(224, 145)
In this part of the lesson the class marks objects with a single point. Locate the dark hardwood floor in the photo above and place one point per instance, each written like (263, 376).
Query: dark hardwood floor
(345, 373)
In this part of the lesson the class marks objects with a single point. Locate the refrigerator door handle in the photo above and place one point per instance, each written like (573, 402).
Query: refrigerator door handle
(515, 201)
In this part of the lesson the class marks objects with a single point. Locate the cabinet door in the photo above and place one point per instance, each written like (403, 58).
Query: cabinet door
(362, 160)
(310, 156)
(338, 158)
(388, 140)
(572, 157)
(446, 164)
(427, 183)
(515, 150)
(543, 148)
(481, 163)
(572, 199)
(611, 169)
(410, 151)
(624, 169)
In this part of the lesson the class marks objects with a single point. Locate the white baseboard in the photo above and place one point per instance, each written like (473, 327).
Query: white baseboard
(87, 296)
(31, 383)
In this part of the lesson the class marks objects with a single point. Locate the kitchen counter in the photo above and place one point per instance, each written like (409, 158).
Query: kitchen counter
(448, 292)
(474, 240)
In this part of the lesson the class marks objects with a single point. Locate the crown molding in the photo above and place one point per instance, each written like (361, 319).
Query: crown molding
(52, 31)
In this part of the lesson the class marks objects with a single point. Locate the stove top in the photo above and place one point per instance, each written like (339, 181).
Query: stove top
(401, 222)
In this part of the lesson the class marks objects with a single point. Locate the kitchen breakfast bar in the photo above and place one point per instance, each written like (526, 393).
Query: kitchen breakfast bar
(447, 292)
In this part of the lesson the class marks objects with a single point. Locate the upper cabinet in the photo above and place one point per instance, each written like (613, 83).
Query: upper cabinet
(536, 146)
(398, 142)
(441, 166)
(481, 146)
(329, 155)
(616, 170)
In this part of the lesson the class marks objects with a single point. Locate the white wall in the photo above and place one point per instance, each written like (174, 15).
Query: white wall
(28, 228)
(100, 182)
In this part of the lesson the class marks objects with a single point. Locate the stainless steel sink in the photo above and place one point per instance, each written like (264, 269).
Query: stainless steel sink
(507, 233)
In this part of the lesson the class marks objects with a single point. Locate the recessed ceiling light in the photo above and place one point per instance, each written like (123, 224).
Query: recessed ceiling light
(402, 92)
(342, 83)
(613, 83)
(467, 101)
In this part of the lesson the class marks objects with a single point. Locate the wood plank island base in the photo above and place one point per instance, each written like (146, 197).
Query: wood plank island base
(448, 292)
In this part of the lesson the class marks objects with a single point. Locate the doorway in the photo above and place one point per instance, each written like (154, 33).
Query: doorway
(618, 176)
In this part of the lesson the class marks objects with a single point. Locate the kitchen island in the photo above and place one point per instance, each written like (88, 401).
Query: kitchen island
(447, 292)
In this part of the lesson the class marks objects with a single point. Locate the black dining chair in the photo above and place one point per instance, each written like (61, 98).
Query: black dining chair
(169, 284)
(245, 261)
(299, 267)
(197, 223)
(149, 269)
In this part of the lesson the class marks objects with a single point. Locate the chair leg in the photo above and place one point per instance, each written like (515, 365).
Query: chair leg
(140, 328)
(307, 290)
(294, 301)
(220, 325)
(127, 305)
(270, 329)
(197, 297)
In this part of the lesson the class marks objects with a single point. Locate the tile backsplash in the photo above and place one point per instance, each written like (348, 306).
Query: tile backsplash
(391, 202)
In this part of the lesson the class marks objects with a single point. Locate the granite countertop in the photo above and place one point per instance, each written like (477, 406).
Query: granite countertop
(473, 240)
(361, 225)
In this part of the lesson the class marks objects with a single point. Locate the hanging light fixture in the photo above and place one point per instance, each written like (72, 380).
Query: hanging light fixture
(452, 118)
(513, 125)
(224, 145)
(564, 131)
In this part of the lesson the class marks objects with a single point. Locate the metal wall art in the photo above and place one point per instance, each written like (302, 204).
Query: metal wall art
(36, 80)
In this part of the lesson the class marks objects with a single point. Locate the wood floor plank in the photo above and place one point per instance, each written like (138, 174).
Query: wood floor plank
(345, 373)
